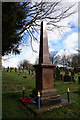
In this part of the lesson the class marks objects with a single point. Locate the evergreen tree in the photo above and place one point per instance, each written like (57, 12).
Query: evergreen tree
(13, 20)
(20, 16)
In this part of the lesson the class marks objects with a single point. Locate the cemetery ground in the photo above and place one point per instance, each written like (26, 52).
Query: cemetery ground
(12, 84)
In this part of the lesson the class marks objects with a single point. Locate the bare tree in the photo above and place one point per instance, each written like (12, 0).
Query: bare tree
(24, 64)
(67, 60)
(52, 12)
(74, 61)
(53, 57)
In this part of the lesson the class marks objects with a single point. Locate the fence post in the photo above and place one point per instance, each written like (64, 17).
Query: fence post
(68, 95)
(23, 91)
(38, 100)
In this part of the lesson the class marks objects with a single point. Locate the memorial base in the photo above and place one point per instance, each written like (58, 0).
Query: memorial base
(33, 109)
(48, 92)
(50, 96)
(47, 96)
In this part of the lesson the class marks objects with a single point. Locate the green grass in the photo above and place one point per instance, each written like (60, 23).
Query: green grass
(14, 82)
(12, 91)
(11, 107)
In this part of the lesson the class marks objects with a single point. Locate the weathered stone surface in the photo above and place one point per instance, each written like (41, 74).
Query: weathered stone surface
(45, 108)
(44, 70)
(44, 52)
(50, 100)
(44, 76)
(49, 92)
(66, 72)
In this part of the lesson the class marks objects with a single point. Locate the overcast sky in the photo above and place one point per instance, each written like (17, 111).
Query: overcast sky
(67, 40)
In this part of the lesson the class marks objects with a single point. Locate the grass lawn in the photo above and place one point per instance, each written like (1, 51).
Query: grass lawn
(12, 84)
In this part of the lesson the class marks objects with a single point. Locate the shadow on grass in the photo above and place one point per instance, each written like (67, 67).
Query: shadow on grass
(11, 108)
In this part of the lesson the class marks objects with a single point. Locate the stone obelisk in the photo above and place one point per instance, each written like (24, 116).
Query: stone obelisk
(44, 70)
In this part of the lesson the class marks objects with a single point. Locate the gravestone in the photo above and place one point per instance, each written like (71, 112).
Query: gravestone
(72, 73)
(57, 74)
(8, 69)
(15, 69)
(19, 69)
(67, 78)
(72, 76)
(61, 77)
(44, 70)
(66, 71)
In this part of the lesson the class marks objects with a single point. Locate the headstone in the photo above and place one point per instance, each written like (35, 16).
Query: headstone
(67, 78)
(72, 76)
(61, 77)
(57, 74)
(66, 72)
(8, 69)
(72, 73)
(44, 70)
(15, 69)
(11, 69)
(19, 69)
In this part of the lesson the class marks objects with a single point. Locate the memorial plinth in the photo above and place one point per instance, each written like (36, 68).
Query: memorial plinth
(44, 70)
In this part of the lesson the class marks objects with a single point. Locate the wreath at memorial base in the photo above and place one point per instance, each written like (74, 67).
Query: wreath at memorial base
(26, 100)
